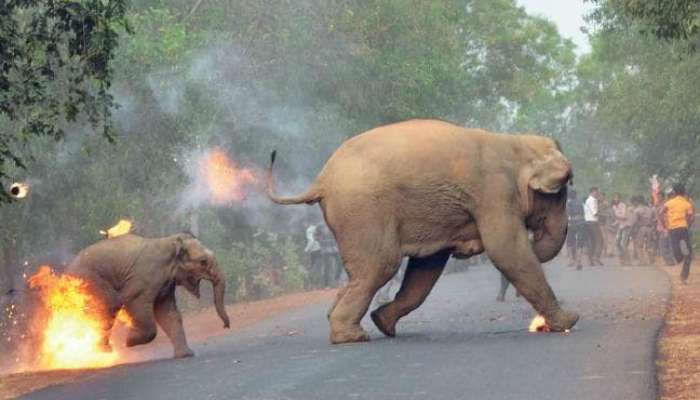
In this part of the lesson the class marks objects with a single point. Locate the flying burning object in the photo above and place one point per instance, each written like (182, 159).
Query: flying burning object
(225, 182)
(121, 228)
(19, 190)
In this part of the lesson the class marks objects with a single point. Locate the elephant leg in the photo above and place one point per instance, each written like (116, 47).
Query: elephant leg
(108, 307)
(169, 319)
(508, 246)
(339, 295)
(143, 329)
(504, 287)
(419, 279)
(353, 300)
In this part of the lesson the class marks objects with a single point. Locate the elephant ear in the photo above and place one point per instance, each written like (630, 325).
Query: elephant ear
(547, 174)
(183, 277)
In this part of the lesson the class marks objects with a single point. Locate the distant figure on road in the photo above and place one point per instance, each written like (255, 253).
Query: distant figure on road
(643, 232)
(618, 213)
(575, 237)
(594, 236)
(679, 213)
(627, 222)
(313, 249)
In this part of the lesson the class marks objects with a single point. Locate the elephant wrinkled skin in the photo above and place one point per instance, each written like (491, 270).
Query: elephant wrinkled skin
(428, 189)
(140, 275)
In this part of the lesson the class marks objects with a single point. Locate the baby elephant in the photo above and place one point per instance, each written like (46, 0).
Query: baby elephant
(140, 275)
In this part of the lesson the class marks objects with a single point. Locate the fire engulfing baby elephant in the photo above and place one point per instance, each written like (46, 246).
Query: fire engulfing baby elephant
(428, 189)
(140, 275)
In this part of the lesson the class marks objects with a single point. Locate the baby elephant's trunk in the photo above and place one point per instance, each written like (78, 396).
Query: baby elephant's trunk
(219, 284)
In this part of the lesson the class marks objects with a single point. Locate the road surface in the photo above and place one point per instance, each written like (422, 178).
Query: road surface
(461, 344)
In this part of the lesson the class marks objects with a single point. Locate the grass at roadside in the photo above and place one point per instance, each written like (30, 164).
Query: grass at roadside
(679, 343)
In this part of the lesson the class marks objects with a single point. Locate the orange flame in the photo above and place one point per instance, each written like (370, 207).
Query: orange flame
(71, 334)
(538, 324)
(225, 181)
(121, 228)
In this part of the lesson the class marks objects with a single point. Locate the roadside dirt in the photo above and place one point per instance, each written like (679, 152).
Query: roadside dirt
(199, 325)
(678, 357)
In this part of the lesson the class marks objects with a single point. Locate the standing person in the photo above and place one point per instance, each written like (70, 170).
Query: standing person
(679, 214)
(330, 268)
(618, 215)
(604, 217)
(594, 237)
(644, 231)
(575, 234)
(313, 249)
(625, 231)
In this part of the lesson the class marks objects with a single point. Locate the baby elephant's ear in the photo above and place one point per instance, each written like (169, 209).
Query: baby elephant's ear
(180, 248)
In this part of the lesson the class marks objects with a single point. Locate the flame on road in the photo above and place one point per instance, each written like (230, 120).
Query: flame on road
(71, 331)
(121, 228)
(19, 190)
(538, 324)
(225, 181)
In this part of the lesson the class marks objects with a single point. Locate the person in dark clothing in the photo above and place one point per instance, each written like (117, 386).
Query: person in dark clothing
(575, 236)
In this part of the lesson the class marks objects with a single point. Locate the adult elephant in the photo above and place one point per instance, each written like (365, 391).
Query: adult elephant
(140, 275)
(428, 189)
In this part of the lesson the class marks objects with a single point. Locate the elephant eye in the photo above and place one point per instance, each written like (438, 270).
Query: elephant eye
(203, 263)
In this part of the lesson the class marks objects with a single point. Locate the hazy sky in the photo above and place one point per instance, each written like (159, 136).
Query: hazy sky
(567, 14)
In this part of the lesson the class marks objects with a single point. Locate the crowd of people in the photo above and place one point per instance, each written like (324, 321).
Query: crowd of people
(636, 231)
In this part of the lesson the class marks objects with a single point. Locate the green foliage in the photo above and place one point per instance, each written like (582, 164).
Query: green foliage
(640, 100)
(54, 67)
(666, 19)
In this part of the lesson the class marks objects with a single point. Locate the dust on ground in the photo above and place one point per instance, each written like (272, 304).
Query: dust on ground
(678, 357)
(199, 326)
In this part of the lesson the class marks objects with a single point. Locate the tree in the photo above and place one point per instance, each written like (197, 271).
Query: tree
(666, 19)
(54, 68)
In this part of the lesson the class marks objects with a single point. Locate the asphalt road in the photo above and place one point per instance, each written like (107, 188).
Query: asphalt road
(461, 344)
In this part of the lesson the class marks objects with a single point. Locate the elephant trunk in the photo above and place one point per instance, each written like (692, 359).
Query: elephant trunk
(219, 284)
(549, 223)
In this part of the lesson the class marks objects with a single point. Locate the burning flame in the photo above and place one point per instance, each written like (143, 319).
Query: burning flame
(19, 190)
(124, 318)
(225, 181)
(71, 334)
(121, 228)
(538, 324)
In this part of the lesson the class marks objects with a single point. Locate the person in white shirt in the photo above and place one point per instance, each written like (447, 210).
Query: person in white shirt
(594, 234)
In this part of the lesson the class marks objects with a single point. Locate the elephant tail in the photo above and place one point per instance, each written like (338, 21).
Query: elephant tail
(310, 197)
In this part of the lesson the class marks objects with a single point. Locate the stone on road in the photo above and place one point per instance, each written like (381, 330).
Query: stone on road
(461, 344)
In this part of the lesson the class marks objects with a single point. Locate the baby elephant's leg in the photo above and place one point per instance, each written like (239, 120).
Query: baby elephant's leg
(143, 329)
(170, 320)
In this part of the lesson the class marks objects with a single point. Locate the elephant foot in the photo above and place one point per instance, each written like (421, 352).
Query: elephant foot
(349, 335)
(137, 337)
(386, 327)
(562, 320)
(184, 353)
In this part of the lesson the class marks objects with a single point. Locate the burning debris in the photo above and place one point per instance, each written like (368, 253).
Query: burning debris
(122, 227)
(19, 190)
(223, 181)
(68, 323)
(538, 324)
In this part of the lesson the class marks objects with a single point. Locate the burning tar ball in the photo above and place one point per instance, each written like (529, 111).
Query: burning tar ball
(19, 190)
